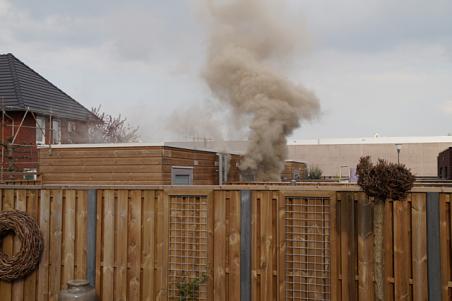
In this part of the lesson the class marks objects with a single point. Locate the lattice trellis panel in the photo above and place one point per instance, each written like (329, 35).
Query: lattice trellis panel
(188, 244)
(307, 221)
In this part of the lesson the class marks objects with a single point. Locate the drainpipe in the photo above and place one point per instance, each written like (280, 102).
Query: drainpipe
(220, 168)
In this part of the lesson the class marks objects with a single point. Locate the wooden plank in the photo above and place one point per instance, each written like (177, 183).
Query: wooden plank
(44, 225)
(99, 239)
(234, 246)
(275, 195)
(81, 176)
(161, 263)
(59, 162)
(148, 241)
(347, 246)
(401, 259)
(210, 251)
(444, 219)
(334, 256)
(419, 246)
(30, 284)
(109, 183)
(21, 205)
(102, 152)
(108, 246)
(100, 169)
(281, 240)
(388, 239)
(134, 245)
(365, 248)
(219, 264)
(81, 235)
(68, 239)
(255, 245)
(266, 243)
(8, 204)
(121, 246)
(56, 225)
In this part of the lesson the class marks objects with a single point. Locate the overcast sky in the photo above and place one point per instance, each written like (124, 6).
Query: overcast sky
(377, 66)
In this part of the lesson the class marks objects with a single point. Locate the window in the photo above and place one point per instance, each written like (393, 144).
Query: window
(181, 175)
(40, 130)
(56, 132)
(71, 127)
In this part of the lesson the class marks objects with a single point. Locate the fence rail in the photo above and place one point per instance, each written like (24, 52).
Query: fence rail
(306, 244)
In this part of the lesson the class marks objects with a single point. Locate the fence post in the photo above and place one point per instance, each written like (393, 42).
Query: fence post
(245, 245)
(91, 237)
(433, 249)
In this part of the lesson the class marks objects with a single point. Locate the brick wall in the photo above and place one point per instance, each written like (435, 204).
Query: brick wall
(23, 154)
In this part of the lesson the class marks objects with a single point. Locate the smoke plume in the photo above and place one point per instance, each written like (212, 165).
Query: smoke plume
(246, 42)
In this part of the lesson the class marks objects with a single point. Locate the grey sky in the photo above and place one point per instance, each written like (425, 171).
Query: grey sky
(377, 66)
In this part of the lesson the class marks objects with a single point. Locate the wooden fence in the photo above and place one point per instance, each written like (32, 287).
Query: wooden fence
(306, 243)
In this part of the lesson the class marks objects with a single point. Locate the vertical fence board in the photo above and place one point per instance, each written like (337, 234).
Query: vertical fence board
(419, 228)
(68, 237)
(121, 226)
(445, 246)
(148, 251)
(266, 245)
(334, 256)
(134, 246)
(234, 246)
(220, 246)
(210, 246)
(162, 247)
(388, 239)
(30, 281)
(281, 240)
(401, 259)
(347, 246)
(108, 246)
(99, 239)
(255, 245)
(56, 224)
(18, 285)
(365, 248)
(81, 235)
(8, 204)
(44, 225)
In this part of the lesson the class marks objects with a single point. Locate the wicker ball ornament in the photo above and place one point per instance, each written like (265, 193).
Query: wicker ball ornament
(26, 260)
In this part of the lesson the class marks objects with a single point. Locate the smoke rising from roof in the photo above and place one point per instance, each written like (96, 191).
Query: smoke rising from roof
(247, 41)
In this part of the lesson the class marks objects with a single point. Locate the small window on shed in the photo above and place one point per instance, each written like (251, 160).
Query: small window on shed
(181, 175)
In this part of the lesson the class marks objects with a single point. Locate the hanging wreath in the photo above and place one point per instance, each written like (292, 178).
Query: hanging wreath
(26, 260)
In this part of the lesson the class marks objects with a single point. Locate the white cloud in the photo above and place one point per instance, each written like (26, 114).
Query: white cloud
(446, 107)
(4, 7)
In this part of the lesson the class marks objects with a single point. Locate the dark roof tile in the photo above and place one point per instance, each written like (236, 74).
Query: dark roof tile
(22, 87)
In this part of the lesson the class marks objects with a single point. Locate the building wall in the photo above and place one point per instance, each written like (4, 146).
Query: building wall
(23, 154)
(445, 164)
(421, 158)
(294, 171)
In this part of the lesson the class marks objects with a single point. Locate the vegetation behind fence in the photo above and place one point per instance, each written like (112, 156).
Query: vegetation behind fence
(305, 244)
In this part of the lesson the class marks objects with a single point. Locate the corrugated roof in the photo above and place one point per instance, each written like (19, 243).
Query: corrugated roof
(21, 87)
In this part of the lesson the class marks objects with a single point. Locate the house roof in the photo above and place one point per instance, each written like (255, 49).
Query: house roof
(21, 87)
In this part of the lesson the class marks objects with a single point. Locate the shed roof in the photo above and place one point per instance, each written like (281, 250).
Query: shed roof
(21, 87)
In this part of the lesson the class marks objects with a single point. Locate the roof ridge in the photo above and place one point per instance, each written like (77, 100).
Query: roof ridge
(17, 85)
(72, 99)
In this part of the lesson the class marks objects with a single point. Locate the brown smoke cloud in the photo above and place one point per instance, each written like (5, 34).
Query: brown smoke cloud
(246, 41)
